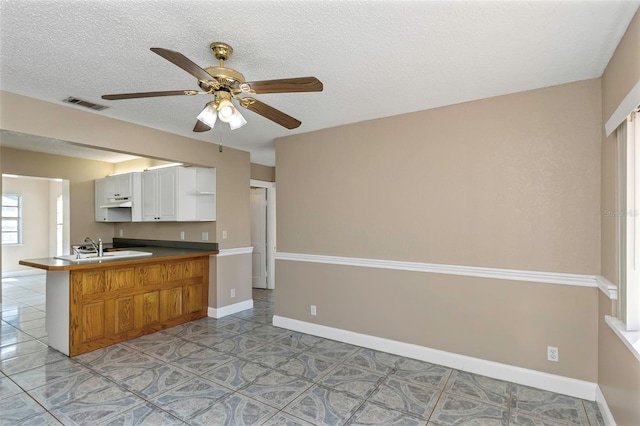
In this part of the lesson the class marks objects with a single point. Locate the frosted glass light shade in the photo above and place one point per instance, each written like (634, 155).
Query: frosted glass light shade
(237, 121)
(208, 116)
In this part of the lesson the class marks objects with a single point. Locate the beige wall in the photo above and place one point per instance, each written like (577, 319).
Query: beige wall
(510, 322)
(36, 212)
(95, 130)
(265, 173)
(80, 173)
(509, 182)
(618, 369)
(231, 271)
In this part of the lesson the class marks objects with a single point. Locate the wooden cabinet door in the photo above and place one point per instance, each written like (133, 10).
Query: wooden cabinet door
(193, 298)
(123, 315)
(171, 301)
(147, 309)
(92, 322)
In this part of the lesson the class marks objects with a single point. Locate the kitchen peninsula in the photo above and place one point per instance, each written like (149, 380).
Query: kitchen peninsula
(96, 303)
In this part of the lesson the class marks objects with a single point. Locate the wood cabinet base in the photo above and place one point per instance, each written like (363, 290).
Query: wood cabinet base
(109, 305)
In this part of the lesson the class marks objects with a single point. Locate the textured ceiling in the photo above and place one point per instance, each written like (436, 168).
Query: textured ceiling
(375, 58)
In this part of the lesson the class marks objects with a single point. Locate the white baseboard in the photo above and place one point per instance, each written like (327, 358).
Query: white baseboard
(537, 379)
(230, 309)
(604, 408)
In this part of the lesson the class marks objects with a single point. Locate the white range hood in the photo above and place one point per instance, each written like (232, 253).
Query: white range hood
(113, 203)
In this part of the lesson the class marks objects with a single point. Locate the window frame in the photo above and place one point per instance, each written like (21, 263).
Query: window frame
(629, 222)
(17, 219)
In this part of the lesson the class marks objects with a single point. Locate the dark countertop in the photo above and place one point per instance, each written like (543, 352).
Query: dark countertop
(158, 252)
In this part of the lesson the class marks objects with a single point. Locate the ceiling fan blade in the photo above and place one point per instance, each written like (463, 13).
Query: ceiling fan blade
(201, 127)
(287, 85)
(270, 112)
(183, 62)
(151, 94)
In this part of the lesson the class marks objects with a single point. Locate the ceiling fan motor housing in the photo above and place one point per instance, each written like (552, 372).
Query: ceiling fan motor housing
(220, 50)
(225, 76)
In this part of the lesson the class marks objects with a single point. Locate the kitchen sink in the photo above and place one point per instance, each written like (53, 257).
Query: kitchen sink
(112, 255)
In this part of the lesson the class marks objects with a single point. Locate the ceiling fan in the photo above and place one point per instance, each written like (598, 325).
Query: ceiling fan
(226, 84)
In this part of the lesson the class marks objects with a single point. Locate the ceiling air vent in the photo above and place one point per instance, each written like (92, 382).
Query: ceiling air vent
(86, 104)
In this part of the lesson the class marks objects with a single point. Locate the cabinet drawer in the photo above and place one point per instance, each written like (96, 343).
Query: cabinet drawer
(175, 271)
(117, 279)
(193, 268)
(90, 282)
(150, 274)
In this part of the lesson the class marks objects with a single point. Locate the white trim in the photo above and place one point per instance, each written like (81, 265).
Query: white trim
(607, 287)
(230, 309)
(628, 104)
(436, 268)
(631, 339)
(271, 228)
(261, 183)
(234, 251)
(551, 382)
(604, 408)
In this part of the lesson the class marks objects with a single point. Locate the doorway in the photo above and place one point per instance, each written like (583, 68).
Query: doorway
(263, 233)
(39, 222)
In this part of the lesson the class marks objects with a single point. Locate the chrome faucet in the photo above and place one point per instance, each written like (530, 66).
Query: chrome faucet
(96, 247)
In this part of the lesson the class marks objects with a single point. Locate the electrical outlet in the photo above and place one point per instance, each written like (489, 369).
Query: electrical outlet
(313, 309)
(205, 236)
(224, 235)
(552, 354)
(233, 293)
(182, 235)
(121, 233)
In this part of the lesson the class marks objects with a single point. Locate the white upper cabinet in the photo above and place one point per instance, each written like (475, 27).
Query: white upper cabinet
(104, 214)
(159, 195)
(174, 194)
(119, 186)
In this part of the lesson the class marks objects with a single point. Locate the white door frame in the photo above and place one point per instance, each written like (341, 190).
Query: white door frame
(271, 228)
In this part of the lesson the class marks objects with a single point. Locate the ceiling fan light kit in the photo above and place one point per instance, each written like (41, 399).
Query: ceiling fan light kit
(226, 110)
(226, 84)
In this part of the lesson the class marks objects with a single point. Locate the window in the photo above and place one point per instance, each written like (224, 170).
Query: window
(628, 136)
(11, 219)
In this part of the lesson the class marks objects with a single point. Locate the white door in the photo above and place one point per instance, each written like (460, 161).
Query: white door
(259, 236)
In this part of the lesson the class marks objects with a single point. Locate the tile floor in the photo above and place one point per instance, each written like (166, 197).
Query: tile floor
(240, 370)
